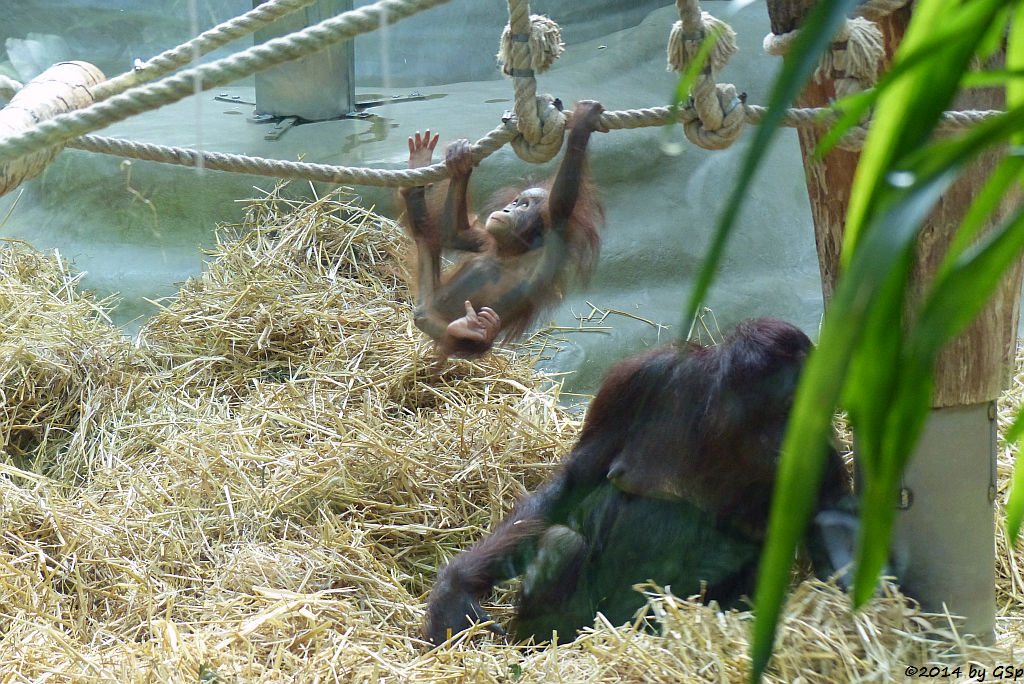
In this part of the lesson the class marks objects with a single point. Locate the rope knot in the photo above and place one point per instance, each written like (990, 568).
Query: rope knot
(683, 43)
(544, 43)
(720, 115)
(540, 143)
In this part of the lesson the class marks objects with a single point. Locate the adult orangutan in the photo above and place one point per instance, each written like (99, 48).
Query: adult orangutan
(516, 263)
(671, 482)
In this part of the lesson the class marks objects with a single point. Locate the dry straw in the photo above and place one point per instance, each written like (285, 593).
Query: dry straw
(262, 485)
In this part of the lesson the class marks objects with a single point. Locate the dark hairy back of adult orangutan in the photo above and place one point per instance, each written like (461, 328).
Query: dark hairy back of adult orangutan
(670, 482)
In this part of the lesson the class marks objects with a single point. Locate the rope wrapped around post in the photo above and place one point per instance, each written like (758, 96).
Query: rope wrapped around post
(720, 115)
(529, 45)
(852, 61)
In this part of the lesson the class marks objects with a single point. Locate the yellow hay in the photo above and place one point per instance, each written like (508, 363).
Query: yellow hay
(261, 487)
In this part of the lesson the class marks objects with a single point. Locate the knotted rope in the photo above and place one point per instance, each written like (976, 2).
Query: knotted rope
(852, 61)
(720, 119)
(704, 124)
(529, 45)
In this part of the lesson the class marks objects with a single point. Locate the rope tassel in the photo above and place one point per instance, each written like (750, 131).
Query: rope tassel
(683, 46)
(545, 39)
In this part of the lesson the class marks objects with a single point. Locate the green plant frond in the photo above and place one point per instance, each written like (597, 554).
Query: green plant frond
(994, 40)
(991, 78)
(864, 311)
(686, 81)
(911, 103)
(874, 359)
(1015, 63)
(1016, 430)
(961, 291)
(794, 485)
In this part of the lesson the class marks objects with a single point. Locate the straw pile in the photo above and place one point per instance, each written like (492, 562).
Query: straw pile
(262, 485)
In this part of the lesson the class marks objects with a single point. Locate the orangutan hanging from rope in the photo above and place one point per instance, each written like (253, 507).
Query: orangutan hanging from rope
(515, 264)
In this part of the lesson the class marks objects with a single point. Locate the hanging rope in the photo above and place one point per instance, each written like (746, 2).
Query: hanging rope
(719, 119)
(691, 30)
(203, 44)
(221, 72)
(529, 45)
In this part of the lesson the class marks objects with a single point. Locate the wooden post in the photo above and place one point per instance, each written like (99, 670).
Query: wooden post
(61, 88)
(943, 542)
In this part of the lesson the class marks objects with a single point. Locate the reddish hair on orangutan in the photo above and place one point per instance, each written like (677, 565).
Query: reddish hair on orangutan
(670, 481)
(515, 258)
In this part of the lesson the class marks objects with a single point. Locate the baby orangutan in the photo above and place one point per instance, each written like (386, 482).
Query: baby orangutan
(516, 263)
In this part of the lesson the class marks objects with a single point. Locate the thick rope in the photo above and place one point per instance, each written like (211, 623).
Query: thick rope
(345, 26)
(719, 121)
(854, 58)
(203, 44)
(686, 36)
(257, 166)
(483, 148)
(541, 124)
(352, 23)
(872, 10)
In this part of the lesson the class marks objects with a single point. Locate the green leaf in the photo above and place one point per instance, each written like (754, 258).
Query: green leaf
(912, 102)
(875, 358)
(1015, 503)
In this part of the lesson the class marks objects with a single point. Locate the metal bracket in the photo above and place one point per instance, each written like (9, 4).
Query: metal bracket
(280, 128)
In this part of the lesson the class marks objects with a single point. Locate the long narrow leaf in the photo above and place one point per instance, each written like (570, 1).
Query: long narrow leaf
(851, 110)
(911, 104)
(862, 358)
(1015, 98)
(1015, 504)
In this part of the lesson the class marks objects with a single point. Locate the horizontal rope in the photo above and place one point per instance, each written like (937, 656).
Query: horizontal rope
(483, 148)
(258, 166)
(203, 44)
(143, 98)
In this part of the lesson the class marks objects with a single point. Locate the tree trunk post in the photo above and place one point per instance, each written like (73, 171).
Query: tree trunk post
(943, 543)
